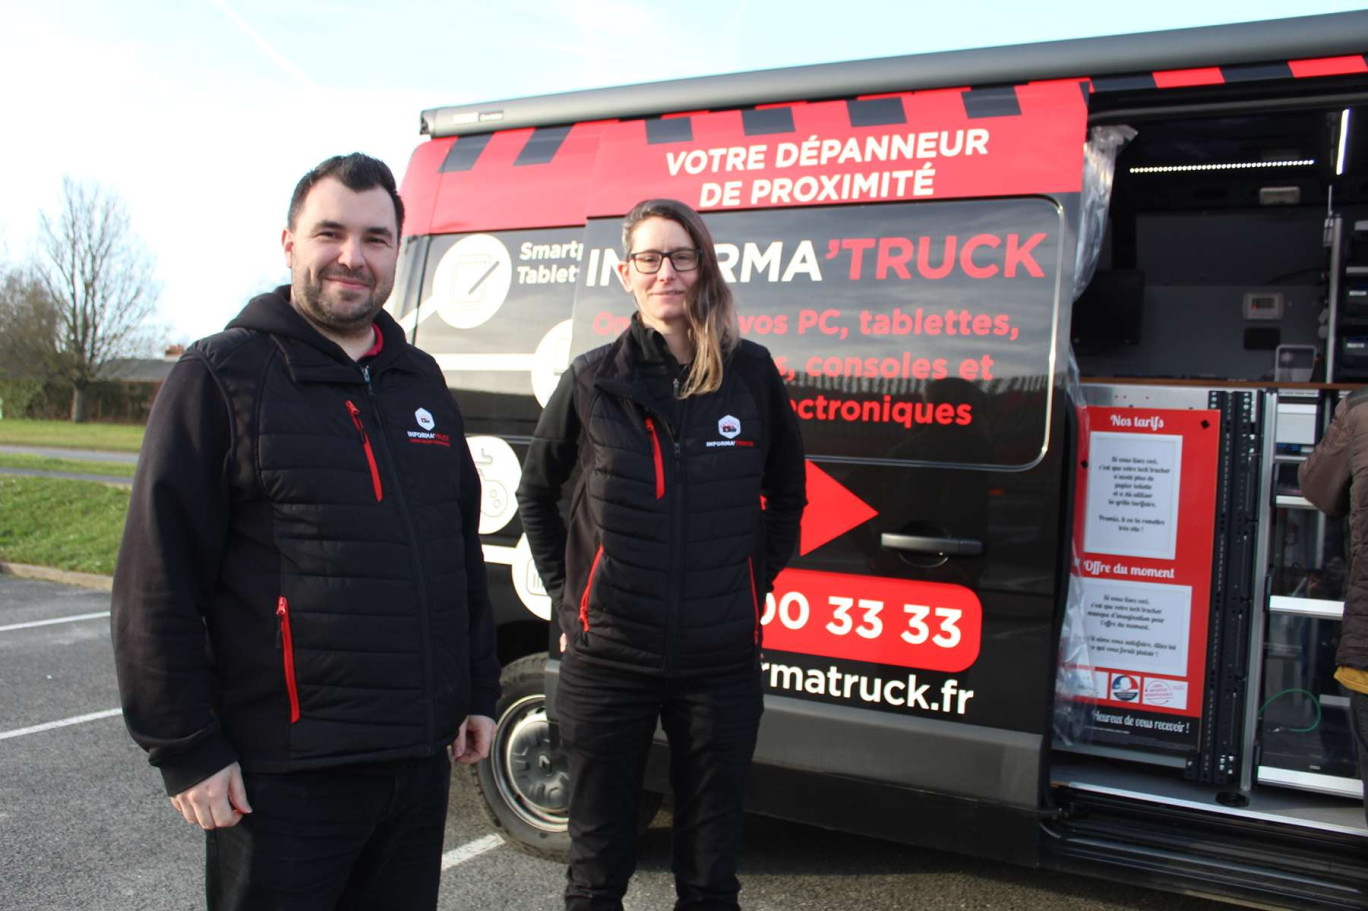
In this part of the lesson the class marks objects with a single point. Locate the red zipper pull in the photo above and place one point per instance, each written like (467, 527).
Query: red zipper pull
(659, 459)
(366, 445)
(287, 649)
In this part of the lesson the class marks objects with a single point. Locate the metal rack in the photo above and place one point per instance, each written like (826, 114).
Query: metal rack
(1301, 609)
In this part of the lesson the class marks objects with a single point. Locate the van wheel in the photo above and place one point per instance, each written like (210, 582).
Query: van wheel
(525, 782)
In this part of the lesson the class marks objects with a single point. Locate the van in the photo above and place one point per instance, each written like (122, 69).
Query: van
(1058, 322)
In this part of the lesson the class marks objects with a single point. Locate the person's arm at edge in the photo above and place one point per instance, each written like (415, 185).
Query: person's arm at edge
(484, 660)
(550, 461)
(785, 480)
(168, 563)
(1325, 475)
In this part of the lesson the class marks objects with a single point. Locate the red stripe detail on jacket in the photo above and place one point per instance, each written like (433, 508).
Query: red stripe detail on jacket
(287, 647)
(659, 459)
(588, 585)
(366, 445)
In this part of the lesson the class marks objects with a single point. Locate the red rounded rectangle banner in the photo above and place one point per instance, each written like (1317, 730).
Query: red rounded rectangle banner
(926, 625)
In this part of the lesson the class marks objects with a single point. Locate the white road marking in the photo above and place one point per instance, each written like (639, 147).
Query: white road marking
(469, 850)
(33, 623)
(65, 722)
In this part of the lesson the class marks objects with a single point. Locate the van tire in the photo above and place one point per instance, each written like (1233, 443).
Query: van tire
(528, 803)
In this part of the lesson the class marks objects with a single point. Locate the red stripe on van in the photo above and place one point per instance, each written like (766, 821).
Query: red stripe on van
(491, 196)
(1328, 66)
(1037, 151)
(1177, 79)
(422, 179)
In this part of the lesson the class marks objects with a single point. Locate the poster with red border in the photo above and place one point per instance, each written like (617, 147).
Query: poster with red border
(1143, 540)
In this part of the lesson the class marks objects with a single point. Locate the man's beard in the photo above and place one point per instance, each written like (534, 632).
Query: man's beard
(342, 312)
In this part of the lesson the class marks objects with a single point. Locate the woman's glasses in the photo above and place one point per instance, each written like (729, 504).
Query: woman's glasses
(648, 262)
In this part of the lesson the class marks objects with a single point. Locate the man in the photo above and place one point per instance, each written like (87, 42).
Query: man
(1335, 479)
(301, 626)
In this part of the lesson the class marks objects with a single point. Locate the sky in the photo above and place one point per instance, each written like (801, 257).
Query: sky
(202, 114)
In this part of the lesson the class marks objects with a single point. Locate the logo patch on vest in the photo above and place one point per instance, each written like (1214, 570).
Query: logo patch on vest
(426, 436)
(729, 427)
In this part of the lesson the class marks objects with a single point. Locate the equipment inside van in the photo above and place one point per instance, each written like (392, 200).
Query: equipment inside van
(1059, 322)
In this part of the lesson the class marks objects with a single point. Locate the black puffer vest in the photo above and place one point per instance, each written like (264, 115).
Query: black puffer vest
(664, 568)
(341, 621)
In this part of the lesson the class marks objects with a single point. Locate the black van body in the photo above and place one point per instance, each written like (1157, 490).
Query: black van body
(908, 236)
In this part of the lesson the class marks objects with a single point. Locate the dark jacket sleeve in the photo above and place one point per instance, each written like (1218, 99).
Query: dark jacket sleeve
(551, 459)
(785, 480)
(484, 660)
(173, 542)
(1327, 472)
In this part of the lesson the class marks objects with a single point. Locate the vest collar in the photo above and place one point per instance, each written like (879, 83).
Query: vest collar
(309, 356)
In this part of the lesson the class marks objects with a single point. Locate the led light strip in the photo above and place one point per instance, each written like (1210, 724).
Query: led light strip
(1173, 168)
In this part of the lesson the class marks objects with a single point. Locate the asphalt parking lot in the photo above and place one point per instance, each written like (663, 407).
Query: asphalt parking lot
(84, 823)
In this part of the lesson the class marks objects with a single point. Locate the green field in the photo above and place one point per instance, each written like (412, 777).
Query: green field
(73, 525)
(65, 435)
(73, 466)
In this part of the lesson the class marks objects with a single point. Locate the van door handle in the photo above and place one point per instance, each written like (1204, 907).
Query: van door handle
(945, 547)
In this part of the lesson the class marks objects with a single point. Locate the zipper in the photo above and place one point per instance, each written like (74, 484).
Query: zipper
(287, 648)
(659, 460)
(420, 580)
(366, 444)
(755, 599)
(674, 605)
(588, 586)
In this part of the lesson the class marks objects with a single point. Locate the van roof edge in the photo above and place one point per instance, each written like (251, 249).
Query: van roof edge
(1301, 37)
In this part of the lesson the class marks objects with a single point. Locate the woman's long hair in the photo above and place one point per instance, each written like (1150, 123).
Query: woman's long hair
(708, 305)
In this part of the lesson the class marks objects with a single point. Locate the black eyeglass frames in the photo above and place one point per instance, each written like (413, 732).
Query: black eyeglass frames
(648, 262)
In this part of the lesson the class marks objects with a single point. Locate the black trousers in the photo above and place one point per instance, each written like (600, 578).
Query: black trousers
(354, 837)
(607, 720)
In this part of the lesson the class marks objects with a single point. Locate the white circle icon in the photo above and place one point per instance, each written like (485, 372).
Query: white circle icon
(527, 583)
(472, 281)
(499, 472)
(550, 360)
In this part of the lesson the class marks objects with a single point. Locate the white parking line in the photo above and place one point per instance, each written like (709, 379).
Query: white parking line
(33, 623)
(79, 719)
(470, 850)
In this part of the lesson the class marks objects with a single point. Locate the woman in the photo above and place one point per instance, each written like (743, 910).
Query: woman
(678, 428)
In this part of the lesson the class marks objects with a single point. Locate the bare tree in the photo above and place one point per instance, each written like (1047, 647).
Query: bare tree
(99, 276)
(30, 331)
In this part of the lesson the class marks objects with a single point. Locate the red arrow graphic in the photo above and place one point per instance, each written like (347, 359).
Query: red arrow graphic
(832, 510)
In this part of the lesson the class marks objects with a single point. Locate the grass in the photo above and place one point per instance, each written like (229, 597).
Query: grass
(73, 525)
(65, 435)
(73, 466)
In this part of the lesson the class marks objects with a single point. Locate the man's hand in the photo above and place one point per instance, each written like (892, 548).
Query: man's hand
(473, 739)
(217, 802)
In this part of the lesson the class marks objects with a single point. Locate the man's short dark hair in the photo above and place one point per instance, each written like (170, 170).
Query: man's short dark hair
(357, 172)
